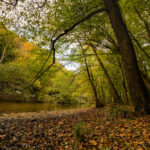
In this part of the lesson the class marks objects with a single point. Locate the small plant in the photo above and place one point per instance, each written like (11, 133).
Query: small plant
(106, 148)
(127, 144)
(80, 133)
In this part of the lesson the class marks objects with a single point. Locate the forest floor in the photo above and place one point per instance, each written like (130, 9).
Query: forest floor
(87, 129)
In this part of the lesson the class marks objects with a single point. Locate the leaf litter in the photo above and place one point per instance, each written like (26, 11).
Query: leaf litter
(56, 131)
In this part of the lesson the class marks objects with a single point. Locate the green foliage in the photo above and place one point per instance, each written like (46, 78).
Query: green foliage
(81, 130)
(64, 98)
(54, 85)
(10, 42)
(13, 74)
(59, 84)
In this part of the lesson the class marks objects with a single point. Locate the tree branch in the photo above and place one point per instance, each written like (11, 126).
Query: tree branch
(53, 41)
(43, 4)
(10, 3)
(4, 51)
(139, 45)
(142, 19)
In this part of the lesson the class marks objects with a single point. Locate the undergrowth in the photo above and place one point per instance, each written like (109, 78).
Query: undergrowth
(81, 133)
(120, 111)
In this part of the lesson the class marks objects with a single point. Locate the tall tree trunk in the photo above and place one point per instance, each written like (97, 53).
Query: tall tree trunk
(117, 98)
(103, 93)
(96, 85)
(98, 101)
(4, 51)
(137, 87)
(125, 90)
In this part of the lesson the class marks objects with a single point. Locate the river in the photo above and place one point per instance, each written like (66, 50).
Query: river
(7, 107)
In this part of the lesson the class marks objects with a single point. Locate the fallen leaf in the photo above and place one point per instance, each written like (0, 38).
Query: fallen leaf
(93, 142)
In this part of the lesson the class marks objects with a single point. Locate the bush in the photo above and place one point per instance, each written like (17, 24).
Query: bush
(13, 79)
(64, 98)
(120, 111)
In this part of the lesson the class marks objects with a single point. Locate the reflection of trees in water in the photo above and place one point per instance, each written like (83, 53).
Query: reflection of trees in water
(32, 107)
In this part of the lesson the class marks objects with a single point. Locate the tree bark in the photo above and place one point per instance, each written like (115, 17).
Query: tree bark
(138, 90)
(125, 90)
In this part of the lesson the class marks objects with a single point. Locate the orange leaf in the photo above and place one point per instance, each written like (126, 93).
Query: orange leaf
(93, 142)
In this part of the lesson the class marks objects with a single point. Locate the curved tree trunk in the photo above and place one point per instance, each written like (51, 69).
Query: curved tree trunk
(138, 90)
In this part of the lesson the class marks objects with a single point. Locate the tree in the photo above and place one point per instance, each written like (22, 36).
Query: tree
(117, 98)
(137, 87)
(83, 12)
(91, 80)
(8, 45)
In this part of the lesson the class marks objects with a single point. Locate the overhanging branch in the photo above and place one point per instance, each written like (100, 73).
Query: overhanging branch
(10, 3)
(53, 41)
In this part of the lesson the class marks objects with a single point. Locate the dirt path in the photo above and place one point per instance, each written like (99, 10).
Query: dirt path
(56, 131)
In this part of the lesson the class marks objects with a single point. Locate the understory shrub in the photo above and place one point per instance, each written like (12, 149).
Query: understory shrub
(120, 111)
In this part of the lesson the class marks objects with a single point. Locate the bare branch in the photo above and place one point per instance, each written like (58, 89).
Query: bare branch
(142, 19)
(79, 22)
(139, 45)
(11, 3)
(43, 4)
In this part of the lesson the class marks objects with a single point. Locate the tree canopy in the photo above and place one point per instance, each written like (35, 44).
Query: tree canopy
(107, 41)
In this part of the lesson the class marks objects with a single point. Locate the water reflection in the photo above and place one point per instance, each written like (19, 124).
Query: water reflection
(32, 107)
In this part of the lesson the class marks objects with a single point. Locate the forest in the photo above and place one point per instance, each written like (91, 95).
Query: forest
(75, 74)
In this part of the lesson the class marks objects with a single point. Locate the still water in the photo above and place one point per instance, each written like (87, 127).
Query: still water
(32, 107)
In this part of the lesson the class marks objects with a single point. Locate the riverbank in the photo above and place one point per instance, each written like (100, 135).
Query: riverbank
(58, 130)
